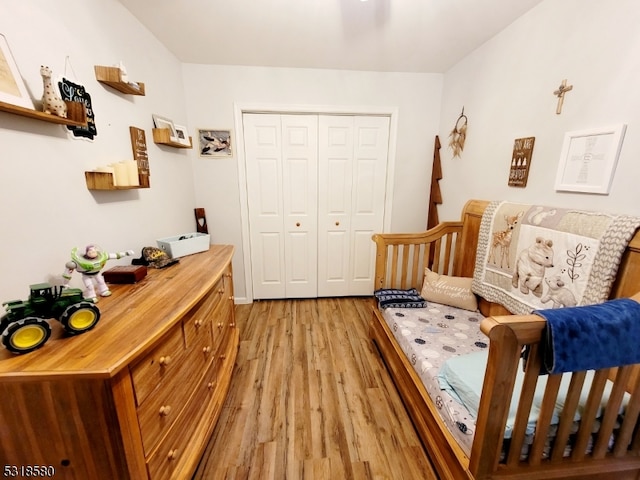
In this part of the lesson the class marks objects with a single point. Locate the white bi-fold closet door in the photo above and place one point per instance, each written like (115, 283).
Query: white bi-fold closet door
(316, 194)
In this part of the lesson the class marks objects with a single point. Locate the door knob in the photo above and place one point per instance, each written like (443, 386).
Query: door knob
(297, 224)
(337, 224)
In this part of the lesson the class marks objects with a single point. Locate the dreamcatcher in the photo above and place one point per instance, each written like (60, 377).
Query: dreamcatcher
(458, 135)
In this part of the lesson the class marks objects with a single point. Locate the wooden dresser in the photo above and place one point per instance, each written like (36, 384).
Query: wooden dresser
(139, 395)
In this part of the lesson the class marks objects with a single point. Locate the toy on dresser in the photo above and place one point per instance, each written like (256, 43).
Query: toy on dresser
(51, 101)
(90, 264)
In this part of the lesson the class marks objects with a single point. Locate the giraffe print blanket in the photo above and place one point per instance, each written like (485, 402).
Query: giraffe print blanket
(534, 257)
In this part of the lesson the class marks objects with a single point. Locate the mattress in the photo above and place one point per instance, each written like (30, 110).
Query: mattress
(431, 336)
(428, 337)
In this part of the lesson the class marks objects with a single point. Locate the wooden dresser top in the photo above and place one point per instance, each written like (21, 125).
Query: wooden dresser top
(132, 319)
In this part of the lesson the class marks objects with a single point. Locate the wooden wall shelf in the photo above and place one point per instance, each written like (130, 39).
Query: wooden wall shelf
(104, 181)
(77, 115)
(162, 136)
(111, 76)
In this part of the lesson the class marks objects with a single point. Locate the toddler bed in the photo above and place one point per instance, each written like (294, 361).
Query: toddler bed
(499, 439)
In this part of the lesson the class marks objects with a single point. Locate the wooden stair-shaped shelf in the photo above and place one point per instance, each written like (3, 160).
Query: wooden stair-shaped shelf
(104, 181)
(162, 136)
(76, 114)
(111, 76)
(435, 196)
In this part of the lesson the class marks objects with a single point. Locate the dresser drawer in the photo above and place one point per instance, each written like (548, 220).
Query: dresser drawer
(198, 321)
(160, 364)
(176, 450)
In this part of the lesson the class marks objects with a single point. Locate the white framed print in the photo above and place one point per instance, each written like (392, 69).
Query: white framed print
(214, 143)
(588, 159)
(12, 87)
(163, 122)
(182, 135)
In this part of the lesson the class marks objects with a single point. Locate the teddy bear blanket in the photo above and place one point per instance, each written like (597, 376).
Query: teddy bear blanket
(533, 257)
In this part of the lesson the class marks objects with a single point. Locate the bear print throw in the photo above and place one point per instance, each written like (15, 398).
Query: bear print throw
(532, 257)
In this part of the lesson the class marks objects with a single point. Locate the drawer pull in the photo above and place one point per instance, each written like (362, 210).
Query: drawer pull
(210, 385)
(223, 356)
(221, 291)
(232, 325)
(165, 410)
(206, 350)
(220, 325)
(198, 323)
(228, 275)
(164, 361)
(172, 454)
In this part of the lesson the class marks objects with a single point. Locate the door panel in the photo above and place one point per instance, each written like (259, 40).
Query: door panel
(300, 179)
(336, 149)
(263, 150)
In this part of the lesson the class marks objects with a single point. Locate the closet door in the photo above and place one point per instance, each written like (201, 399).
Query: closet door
(281, 167)
(353, 153)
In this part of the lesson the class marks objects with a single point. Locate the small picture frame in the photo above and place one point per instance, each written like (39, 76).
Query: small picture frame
(214, 143)
(588, 159)
(182, 135)
(12, 87)
(163, 122)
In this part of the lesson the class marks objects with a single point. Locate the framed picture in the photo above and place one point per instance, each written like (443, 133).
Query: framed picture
(182, 135)
(12, 87)
(162, 122)
(589, 159)
(214, 143)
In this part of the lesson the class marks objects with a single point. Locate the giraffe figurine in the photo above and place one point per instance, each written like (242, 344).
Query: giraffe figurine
(51, 101)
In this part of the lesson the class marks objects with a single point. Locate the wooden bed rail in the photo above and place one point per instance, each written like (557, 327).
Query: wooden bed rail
(401, 258)
(617, 437)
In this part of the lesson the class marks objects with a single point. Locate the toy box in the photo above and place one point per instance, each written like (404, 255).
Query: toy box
(184, 244)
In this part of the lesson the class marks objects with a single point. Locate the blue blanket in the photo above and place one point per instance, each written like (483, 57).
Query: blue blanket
(391, 297)
(591, 337)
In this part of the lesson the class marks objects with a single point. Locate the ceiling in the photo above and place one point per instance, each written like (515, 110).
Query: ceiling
(376, 35)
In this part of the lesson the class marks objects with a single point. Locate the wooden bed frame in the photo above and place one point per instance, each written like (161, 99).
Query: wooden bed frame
(450, 248)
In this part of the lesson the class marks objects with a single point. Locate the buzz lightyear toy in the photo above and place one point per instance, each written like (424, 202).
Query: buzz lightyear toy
(90, 263)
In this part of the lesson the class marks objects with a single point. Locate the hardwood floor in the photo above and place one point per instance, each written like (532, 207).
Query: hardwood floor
(311, 399)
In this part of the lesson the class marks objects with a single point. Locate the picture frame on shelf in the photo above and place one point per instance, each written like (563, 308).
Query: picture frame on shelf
(12, 87)
(182, 135)
(215, 143)
(588, 159)
(163, 122)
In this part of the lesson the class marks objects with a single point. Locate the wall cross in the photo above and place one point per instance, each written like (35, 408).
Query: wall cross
(562, 89)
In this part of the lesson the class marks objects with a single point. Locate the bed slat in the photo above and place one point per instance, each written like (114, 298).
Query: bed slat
(629, 424)
(544, 418)
(567, 416)
(589, 414)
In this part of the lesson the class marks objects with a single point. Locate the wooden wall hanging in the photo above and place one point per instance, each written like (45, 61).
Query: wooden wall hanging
(521, 161)
(140, 155)
(435, 196)
(201, 220)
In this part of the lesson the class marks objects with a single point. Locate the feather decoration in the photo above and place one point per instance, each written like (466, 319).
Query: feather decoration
(458, 135)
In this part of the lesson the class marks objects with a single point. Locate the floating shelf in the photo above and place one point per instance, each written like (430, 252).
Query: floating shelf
(163, 137)
(76, 113)
(104, 181)
(111, 76)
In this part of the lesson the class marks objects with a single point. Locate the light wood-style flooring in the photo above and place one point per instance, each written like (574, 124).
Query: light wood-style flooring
(311, 399)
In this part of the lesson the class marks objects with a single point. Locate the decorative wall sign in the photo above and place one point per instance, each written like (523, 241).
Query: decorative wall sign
(75, 92)
(139, 148)
(588, 159)
(521, 161)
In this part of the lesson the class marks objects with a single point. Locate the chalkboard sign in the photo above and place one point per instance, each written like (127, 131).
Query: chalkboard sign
(74, 92)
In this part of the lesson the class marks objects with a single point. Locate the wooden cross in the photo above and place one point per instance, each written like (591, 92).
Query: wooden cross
(562, 89)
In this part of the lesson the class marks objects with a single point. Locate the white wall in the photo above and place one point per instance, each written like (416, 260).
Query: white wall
(506, 87)
(45, 207)
(212, 91)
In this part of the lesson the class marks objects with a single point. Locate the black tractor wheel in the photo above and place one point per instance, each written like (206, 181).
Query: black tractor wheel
(26, 335)
(80, 317)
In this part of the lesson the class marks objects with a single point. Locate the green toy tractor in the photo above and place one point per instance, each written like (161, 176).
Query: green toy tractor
(24, 327)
